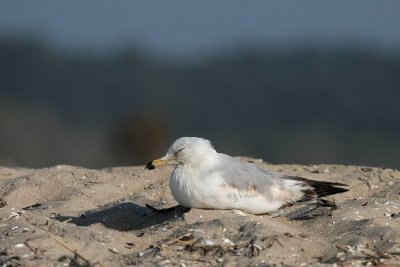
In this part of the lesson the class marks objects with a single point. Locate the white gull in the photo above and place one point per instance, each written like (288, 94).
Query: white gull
(204, 178)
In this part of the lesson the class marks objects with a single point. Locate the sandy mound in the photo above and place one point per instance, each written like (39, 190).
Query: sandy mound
(67, 215)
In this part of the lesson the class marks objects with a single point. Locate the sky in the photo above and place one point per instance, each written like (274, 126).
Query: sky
(190, 28)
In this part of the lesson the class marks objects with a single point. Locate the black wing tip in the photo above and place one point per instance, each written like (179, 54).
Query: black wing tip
(321, 188)
(150, 166)
(318, 189)
(341, 190)
(324, 190)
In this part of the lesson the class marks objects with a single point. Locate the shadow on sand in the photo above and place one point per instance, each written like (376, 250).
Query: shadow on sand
(126, 216)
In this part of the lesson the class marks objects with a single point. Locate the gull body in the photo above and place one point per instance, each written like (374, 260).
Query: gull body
(204, 178)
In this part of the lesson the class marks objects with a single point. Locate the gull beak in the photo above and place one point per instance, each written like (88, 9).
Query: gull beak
(156, 163)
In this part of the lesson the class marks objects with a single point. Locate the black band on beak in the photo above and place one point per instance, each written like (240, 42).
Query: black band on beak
(150, 166)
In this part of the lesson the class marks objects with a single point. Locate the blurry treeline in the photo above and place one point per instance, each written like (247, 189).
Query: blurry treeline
(295, 105)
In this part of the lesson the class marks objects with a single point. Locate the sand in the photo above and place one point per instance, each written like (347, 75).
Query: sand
(72, 216)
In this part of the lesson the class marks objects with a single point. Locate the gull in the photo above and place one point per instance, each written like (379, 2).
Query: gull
(205, 179)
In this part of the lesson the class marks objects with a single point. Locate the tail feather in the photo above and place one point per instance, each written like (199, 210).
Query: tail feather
(323, 189)
(318, 189)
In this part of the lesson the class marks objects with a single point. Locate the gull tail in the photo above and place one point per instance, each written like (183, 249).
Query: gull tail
(319, 189)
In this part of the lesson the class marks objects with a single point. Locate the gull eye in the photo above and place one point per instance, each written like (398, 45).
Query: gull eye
(177, 152)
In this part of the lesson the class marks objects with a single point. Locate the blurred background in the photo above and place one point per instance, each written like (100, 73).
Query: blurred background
(106, 83)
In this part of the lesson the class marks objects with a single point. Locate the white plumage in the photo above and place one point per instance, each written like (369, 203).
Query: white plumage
(204, 178)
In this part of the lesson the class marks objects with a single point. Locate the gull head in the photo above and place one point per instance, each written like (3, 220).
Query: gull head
(185, 151)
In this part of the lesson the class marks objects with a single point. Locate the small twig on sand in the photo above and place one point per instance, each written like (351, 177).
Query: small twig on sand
(30, 247)
(59, 241)
(84, 246)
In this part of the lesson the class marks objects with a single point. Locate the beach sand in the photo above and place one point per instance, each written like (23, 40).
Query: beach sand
(72, 216)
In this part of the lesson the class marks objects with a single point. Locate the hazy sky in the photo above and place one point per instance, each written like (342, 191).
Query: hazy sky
(192, 27)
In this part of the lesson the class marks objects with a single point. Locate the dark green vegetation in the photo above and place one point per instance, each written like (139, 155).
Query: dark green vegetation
(300, 105)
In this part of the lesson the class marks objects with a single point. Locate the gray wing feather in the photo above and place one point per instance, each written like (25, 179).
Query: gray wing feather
(273, 184)
(243, 174)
